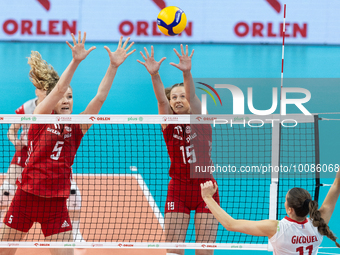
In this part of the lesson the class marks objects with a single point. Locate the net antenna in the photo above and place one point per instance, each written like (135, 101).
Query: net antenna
(273, 202)
(283, 51)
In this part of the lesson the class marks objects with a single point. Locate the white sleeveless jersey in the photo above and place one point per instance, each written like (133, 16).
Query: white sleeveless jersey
(298, 238)
(27, 108)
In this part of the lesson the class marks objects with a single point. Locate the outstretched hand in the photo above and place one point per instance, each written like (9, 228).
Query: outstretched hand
(208, 189)
(78, 50)
(118, 57)
(184, 60)
(150, 63)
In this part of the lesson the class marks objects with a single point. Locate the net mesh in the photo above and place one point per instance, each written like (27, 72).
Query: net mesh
(121, 171)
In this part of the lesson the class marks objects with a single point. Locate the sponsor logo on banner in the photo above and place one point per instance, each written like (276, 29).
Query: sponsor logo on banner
(99, 118)
(41, 244)
(61, 118)
(148, 28)
(97, 245)
(1, 118)
(170, 118)
(132, 119)
(28, 118)
(153, 245)
(209, 246)
(181, 245)
(205, 118)
(125, 245)
(33, 25)
(103, 118)
(271, 29)
(236, 246)
(13, 244)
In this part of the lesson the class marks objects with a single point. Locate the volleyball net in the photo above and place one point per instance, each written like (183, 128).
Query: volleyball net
(122, 166)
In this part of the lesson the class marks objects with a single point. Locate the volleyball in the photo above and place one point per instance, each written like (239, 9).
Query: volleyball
(171, 20)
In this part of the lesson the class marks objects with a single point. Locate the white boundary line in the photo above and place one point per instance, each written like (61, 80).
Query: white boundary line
(145, 190)
(150, 199)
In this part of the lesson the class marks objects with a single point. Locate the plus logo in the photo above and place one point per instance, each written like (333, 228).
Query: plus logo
(45, 3)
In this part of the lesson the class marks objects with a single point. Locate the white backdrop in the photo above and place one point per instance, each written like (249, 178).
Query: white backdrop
(219, 21)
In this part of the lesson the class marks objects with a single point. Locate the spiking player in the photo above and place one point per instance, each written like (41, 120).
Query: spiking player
(293, 235)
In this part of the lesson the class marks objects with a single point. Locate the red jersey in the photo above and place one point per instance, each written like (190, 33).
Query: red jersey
(189, 148)
(51, 150)
(27, 108)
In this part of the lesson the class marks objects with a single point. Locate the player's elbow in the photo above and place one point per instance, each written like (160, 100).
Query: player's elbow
(100, 98)
(230, 224)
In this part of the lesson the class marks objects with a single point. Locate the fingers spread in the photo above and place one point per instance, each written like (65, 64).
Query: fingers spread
(79, 37)
(178, 55)
(160, 61)
(173, 64)
(182, 50)
(69, 45)
(83, 42)
(146, 52)
(91, 49)
(152, 52)
(107, 49)
(192, 53)
(128, 48)
(120, 42)
(131, 52)
(142, 55)
(140, 62)
(74, 39)
(126, 42)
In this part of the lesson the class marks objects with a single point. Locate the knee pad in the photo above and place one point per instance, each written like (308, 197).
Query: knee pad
(7, 192)
(74, 200)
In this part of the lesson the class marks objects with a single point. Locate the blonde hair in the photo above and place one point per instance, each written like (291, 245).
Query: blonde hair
(42, 75)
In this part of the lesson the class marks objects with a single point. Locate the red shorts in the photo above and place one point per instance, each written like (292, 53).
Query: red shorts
(27, 208)
(184, 197)
(20, 157)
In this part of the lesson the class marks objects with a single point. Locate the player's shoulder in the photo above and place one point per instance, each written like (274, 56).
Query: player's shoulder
(28, 107)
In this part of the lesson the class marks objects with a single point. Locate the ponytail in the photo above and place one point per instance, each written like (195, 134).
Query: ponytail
(42, 75)
(319, 222)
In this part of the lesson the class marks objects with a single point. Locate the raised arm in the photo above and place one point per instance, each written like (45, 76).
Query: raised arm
(116, 59)
(79, 54)
(328, 204)
(12, 135)
(256, 228)
(185, 66)
(152, 66)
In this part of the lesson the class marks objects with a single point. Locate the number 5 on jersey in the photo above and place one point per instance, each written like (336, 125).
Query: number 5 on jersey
(57, 150)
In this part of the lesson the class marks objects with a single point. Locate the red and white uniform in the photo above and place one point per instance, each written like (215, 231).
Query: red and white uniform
(296, 238)
(20, 157)
(52, 148)
(189, 146)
